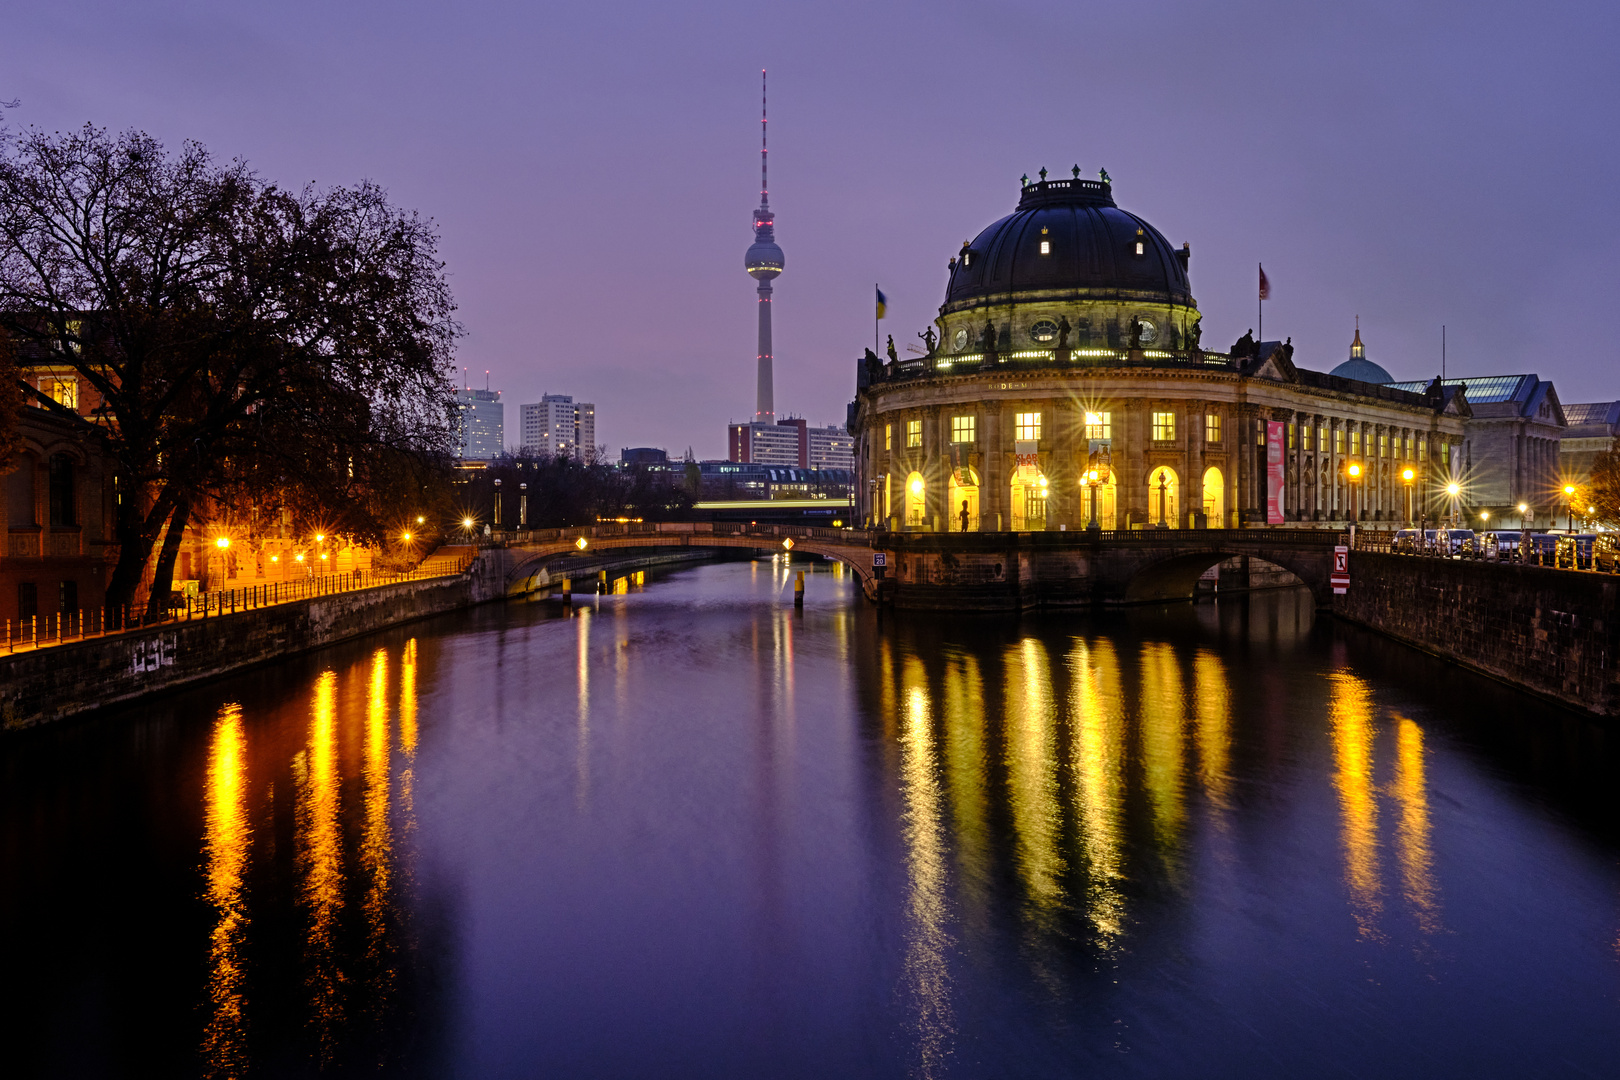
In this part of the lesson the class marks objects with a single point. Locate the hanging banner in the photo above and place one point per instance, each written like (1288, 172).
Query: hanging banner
(1028, 453)
(1276, 473)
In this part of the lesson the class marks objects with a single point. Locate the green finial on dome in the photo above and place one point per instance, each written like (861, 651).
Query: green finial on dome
(1043, 174)
(1104, 174)
(1023, 181)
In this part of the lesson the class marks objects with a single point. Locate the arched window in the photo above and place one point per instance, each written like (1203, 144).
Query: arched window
(20, 494)
(1164, 503)
(62, 500)
(1214, 499)
(1107, 496)
(1029, 501)
(964, 499)
(916, 501)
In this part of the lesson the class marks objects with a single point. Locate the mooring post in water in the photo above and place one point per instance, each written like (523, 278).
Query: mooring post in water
(568, 592)
(798, 590)
(601, 581)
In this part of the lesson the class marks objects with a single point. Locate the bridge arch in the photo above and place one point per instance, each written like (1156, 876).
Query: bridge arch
(1175, 576)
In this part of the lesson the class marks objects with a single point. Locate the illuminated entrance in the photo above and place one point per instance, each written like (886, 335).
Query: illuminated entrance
(916, 501)
(1164, 502)
(1214, 499)
(964, 495)
(1029, 504)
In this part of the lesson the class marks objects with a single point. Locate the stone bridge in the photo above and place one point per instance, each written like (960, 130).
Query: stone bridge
(969, 571)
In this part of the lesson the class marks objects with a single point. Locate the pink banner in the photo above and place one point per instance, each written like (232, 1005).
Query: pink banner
(1276, 474)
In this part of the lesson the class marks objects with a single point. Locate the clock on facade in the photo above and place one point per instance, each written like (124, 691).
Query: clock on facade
(1044, 331)
(959, 339)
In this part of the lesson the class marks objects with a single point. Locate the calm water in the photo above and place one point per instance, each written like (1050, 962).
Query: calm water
(688, 832)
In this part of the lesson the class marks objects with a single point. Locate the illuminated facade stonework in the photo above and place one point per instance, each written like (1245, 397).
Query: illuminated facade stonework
(1068, 336)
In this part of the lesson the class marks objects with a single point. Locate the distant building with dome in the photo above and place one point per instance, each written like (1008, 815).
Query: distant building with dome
(1360, 368)
(1069, 341)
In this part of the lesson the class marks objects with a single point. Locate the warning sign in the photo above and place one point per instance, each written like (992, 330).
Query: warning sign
(1340, 578)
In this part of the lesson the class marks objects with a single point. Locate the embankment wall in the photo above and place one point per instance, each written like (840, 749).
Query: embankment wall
(1555, 633)
(43, 685)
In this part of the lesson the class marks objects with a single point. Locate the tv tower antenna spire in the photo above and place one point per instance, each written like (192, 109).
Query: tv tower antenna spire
(764, 262)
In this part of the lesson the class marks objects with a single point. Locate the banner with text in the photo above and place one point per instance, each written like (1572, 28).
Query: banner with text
(1276, 474)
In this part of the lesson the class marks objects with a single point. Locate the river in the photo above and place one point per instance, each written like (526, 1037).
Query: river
(687, 831)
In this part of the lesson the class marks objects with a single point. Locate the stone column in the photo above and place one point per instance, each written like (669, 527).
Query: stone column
(993, 477)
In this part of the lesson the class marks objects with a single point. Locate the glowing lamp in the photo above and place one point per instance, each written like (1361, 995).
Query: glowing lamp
(222, 543)
(1355, 471)
(1523, 508)
(323, 556)
(1452, 489)
(319, 537)
(406, 537)
(299, 556)
(419, 519)
(1407, 475)
(1569, 489)
(916, 487)
(275, 558)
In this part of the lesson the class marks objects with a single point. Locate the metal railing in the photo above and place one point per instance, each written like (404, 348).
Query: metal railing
(42, 631)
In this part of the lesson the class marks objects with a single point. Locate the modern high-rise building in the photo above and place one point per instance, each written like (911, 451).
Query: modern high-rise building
(557, 425)
(480, 424)
(791, 442)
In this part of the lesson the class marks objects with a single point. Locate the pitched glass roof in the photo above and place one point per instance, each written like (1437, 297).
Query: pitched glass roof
(1592, 412)
(1481, 391)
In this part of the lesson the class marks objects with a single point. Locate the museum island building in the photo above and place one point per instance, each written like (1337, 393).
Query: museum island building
(1065, 373)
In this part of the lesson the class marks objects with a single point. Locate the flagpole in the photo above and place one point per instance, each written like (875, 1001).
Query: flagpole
(874, 319)
(1261, 303)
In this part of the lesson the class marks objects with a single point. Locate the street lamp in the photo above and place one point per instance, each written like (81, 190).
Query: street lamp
(1408, 474)
(1569, 504)
(1353, 471)
(1453, 489)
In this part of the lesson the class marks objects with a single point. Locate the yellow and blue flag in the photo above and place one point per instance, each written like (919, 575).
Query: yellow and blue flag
(882, 303)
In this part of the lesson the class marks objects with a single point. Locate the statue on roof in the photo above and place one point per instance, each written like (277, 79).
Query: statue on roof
(893, 356)
(928, 339)
(987, 336)
(1245, 346)
(1195, 333)
(1105, 177)
(1063, 332)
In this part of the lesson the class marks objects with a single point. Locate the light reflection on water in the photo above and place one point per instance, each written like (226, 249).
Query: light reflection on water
(1196, 841)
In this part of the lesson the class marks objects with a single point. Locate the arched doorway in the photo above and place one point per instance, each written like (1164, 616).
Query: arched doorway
(1029, 503)
(916, 501)
(1107, 503)
(1214, 499)
(964, 494)
(1164, 502)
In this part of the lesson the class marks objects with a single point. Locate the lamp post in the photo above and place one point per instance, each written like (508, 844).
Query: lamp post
(1569, 505)
(1408, 474)
(1164, 496)
(497, 500)
(1098, 465)
(1452, 490)
(523, 506)
(1353, 471)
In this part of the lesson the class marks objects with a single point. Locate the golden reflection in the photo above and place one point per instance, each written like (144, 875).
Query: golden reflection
(1212, 705)
(621, 586)
(927, 971)
(320, 856)
(407, 700)
(1164, 713)
(582, 677)
(964, 754)
(377, 842)
(224, 1050)
(1032, 773)
(1351, 714)
(1099, 766)
(1417, 860)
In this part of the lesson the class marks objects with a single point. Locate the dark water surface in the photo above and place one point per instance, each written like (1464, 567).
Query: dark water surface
(688, 832)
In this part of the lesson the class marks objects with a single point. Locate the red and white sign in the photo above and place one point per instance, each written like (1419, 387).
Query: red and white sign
(1340, 578)
(1276, 472)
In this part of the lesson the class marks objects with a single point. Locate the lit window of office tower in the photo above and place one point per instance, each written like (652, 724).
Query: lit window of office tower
(557, 425)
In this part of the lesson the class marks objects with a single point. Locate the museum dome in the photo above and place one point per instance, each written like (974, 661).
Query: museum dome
(1360, 368)
(1068, 240)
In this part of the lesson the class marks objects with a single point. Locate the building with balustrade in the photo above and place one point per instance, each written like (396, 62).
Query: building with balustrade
(1067, 373)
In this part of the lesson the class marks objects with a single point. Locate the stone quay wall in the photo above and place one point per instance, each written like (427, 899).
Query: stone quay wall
(43, 685)
(1554, 633)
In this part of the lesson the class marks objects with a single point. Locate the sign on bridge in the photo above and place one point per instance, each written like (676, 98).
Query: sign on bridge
(880, 558)
(1340, 578)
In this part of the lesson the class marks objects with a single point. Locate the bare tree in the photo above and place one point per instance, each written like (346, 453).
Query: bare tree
(242, 338)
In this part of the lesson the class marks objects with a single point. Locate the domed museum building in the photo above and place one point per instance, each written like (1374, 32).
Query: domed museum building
(1066, 371)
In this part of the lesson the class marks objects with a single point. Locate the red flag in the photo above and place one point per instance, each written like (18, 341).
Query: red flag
(1265, 286)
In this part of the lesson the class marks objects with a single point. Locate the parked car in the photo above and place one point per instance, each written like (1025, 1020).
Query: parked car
(1606, 553)
(1450, 543)
(1406, 542)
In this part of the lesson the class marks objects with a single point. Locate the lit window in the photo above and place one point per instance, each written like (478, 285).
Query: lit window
(1139, 247)
(1305, 436)
(63, 391)
(1027, 425)
(1338, 440)
(1291, 428)
(962, 429)
(1164, 427)
(913, 434)
(1383, 446)
(888, 436)
(1046, 247)
(1355, 443)
(1212, 427)
(1321, 438)
(1422, 448)
(1099, 425)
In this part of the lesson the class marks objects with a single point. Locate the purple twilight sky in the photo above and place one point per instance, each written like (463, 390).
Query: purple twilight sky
(593, 167)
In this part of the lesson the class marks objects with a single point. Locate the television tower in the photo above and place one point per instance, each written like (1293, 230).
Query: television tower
(764, 262)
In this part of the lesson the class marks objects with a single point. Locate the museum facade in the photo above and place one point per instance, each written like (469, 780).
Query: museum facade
(1065, 385)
